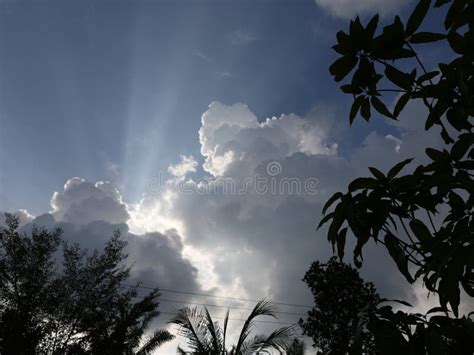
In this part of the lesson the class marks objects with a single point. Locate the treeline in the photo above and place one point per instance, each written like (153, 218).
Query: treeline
(56, 298)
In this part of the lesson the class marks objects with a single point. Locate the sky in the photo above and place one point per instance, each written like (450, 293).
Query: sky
(134, 115)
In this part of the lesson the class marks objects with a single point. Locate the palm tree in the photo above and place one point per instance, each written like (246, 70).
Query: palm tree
(158, 338)
(206, 336)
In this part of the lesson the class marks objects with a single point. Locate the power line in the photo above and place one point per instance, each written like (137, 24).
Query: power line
(239, 319)
(219, 306)
(214, 296)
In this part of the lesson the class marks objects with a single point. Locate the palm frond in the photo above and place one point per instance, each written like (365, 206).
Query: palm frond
(262, 308)
(224, 333)
(158, 338)
(213, 332)
(280, 339)
(147, 318)
(192, 325)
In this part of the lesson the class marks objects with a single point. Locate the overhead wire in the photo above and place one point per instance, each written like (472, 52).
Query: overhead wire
(215, 296)
(242, 320)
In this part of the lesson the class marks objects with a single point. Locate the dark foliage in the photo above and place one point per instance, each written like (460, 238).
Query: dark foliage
(205, 336)
(401, 211)
(344, 303)
(297, 347)
(78, 306)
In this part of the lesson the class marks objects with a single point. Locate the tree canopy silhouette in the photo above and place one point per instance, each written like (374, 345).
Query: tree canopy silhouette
(425, 218)
(344, 304)
(73, 304)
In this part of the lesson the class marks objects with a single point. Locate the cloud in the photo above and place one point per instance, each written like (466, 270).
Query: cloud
(82, 202)
(89, 214)
(186, 166)
(223, 74)
(202, 56)
(350, 8)
(260, 244)
(232, 138)
(197, 233)
(240, 37)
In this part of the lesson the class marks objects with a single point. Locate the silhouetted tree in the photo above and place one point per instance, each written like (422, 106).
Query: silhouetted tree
(399, 211)
(205, 336)
(344, 303)
(76, 304)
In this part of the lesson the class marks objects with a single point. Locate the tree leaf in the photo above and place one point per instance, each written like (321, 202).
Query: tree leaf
(399, 78)
(449, 293)
(325, 219)
(459, 149)
(355, 107)
(439, 3)
(380, 107)
(343, 66)
(397, 168)
(341, 242)
(365, 109)
(420, 230)
(362, 183)
(453, 12)
(437, 309)
(426, 37)
(345, 45)
(372, 26)
(331, 200)
(434, 154)
(467, 165)
(356, 30)
(417, 16)
(405, 303)
(400, 54)
(467, 282)
(401, 103)
(398, 255)
(457, 42)
(351, 89)
(336, 224)
(377, 173)
(427, 76)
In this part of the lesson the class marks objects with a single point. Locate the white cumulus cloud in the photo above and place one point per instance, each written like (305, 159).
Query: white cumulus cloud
(83, 202)
(185, 166)
(232, 138)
